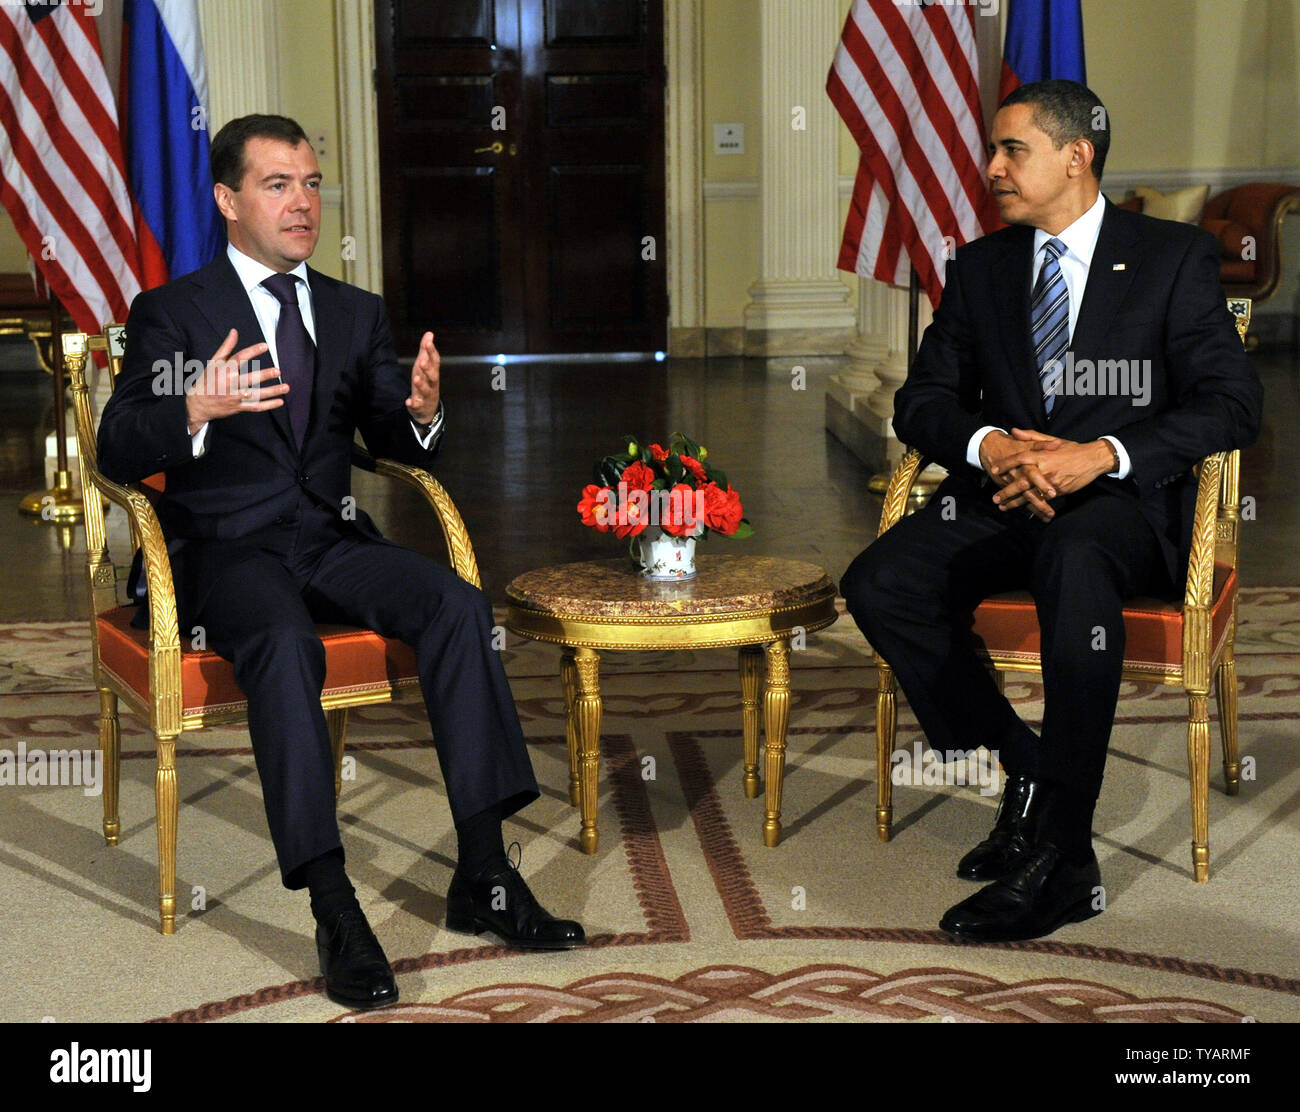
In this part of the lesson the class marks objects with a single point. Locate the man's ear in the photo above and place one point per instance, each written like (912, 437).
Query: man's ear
(224, 196)
(1080, 158)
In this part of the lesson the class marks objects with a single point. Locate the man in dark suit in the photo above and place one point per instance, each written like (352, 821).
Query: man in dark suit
(1080, 362)
(266, 541)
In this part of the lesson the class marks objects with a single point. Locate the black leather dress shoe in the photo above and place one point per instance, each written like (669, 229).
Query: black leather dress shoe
(1045, 893)
(1011, 840)
(357, 975)
(499, 901)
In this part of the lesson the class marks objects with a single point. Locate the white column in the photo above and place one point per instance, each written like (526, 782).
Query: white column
(354, 36)
(799, 305)
(685, 189)
(241, 40)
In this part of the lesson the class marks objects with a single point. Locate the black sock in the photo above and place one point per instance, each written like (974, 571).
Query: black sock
(1066, 822)
(480, 845)
(331, 891)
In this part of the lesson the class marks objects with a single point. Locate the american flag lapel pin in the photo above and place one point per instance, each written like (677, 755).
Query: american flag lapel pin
(1118, 266)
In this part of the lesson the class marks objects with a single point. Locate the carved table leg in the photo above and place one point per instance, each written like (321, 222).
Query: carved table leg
(569, 680)
(750, 656)
(587, 708)
(886, 724)
(776, 715)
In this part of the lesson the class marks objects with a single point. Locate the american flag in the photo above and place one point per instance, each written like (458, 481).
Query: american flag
(904, 79)
(61, 168)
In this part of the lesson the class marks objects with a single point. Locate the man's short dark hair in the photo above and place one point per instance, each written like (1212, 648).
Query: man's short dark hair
(226, 156)
(1066, 111)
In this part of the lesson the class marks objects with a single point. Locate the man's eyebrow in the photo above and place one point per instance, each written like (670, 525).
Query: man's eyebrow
(282, 175)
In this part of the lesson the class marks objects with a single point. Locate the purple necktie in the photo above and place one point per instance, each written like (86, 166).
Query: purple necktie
(295, 351)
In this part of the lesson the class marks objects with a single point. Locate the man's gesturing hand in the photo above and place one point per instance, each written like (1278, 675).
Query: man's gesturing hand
(1021, 485)
(422, 405)
(1063, 465)
(223, 389)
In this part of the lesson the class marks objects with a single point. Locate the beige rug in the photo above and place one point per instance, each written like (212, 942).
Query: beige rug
(690, 916)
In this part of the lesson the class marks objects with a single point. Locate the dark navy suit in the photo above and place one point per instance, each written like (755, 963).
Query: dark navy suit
(265, 543)
(1152, 293)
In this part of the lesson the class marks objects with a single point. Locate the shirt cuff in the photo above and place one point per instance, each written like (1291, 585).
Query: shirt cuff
(426, 437)
(973, 448)
(198, 442)
(1124, 464)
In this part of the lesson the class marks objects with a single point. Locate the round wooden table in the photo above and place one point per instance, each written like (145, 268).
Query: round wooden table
(751, 602)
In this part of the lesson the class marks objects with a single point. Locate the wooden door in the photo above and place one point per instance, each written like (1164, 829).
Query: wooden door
(522, 174)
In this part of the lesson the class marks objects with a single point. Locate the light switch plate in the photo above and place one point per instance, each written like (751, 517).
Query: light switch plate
(728, 138)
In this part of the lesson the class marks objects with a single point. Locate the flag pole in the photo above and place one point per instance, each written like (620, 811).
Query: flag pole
(60, 505)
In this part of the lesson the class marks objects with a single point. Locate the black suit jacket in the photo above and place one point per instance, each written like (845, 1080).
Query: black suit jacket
(976, 367)
(252, 477)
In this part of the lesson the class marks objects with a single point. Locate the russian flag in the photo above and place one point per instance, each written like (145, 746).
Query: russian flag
(165, 94)
(1044, 40)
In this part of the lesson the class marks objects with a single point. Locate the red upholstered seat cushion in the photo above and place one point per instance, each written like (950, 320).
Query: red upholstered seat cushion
(356, 661)
(1007, 626)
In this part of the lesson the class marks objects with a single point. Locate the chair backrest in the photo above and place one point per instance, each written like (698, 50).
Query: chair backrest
(1228, 527)
(77, 346)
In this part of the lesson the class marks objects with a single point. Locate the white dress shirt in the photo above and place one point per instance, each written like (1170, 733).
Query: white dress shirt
(1080, 240)
(266, 307)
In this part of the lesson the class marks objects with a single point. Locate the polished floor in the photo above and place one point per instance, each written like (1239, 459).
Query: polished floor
(518, 452)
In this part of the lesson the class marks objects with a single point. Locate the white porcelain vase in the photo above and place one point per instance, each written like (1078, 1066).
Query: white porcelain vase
(663, 556)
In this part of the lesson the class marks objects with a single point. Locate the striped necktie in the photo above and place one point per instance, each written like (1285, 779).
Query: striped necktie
(1049, 316)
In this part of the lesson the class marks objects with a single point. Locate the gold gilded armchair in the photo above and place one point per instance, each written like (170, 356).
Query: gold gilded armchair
(180, 688)
(1184, 644)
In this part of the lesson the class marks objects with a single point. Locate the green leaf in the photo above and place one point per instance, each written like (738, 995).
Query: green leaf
(717, 475)
(745, 530)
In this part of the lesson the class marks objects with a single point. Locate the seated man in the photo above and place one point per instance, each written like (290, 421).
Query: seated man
(265, 542)
(1080, 490)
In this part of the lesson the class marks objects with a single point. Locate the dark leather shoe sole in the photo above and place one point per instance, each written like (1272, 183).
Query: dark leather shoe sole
(1076, 912)
(461, 922)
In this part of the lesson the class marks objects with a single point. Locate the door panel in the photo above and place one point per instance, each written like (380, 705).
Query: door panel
(522, 173)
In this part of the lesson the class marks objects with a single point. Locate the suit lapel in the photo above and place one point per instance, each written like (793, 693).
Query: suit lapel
(224, 303)
(333, 316)
(1117, 245)
(1012, 288)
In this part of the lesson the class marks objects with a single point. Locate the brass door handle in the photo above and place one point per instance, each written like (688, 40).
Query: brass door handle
(495, 148)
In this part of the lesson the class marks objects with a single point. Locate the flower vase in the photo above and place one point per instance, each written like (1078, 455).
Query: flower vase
(663, 556)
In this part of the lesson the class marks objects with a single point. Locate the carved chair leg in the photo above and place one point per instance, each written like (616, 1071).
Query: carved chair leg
(1225, 682)
(110, 746)
(337, 723)
(166, 804)
(1198, 763)
(886, 724)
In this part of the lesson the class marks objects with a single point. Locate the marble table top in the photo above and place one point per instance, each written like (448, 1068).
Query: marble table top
(725, 584)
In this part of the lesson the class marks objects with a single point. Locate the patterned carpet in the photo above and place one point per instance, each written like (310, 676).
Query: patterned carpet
(690, 916)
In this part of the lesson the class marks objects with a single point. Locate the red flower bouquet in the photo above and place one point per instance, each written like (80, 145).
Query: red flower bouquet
(673, 494)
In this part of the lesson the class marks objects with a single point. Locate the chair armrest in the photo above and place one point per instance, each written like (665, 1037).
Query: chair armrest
(459, 549)
(1200, 565)
(900, 487)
